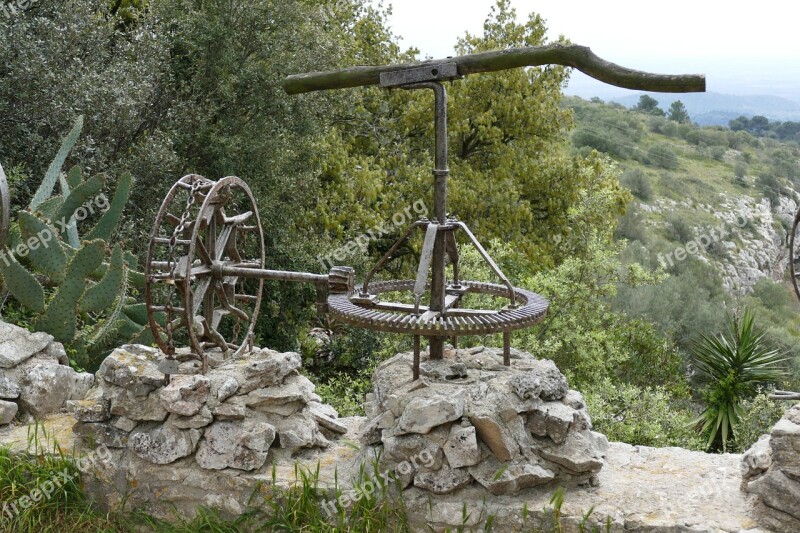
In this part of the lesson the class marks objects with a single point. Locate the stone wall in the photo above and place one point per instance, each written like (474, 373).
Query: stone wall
(35, 376)
(771, 470)
(477, 421)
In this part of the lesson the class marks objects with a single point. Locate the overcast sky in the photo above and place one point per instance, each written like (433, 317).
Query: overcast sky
(742, 47)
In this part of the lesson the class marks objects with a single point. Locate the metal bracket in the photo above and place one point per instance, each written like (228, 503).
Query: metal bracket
(438, 72)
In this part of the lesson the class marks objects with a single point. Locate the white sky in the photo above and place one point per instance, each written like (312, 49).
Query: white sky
(752, 45)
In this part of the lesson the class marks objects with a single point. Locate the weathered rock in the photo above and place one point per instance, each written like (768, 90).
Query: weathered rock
(137, 372)
(45, 388)
(18, 344)
(425, 455)
(8, 410)
(527, 386)
(552, 419)
(8, 389)
(228, 388)
(185, 395)
(200, 420)
(509, 478)
(785, 444)
(443, 370)
(494, 434)
(163, 444)
(56, 351)
(102, 433)
(580, 452)
(229, 411)
(259, 369)
(144, 409)
(552, 381)
(235, 445)
(89, 410)
(284, 399)
(425, 413)
(757, 459)
(575, 400)
(443, 481)
(125, 424)
(324, 409)
(778, 492)
(325, 421)
(461, 447)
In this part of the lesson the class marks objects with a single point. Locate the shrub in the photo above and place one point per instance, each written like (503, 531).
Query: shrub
(638, 183)
(758, 415)
(646, 416)
(662, 156)
(733, 364)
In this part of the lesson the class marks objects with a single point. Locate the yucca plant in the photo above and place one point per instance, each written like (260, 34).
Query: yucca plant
(733, 364)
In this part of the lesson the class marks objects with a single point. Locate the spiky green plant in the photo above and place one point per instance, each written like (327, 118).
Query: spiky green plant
(77, 290)
(733, 364)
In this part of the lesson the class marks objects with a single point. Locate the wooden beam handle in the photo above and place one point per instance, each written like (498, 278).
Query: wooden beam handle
(573, 55)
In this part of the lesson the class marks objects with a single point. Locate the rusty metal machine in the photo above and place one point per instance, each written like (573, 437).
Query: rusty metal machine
(205, 262)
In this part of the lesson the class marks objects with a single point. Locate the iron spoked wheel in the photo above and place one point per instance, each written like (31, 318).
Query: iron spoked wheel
(794, 253)
(168, 249)
(223, 306)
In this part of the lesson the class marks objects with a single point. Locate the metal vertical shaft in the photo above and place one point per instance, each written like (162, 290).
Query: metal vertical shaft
(440, 173)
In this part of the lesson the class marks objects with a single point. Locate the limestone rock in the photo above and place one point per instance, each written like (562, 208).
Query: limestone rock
(575, 400)
(200, 420)
(284, 399)
(552, 419)
(8, 389)
(259, 369)
(8, 410)
(185, 395)
(527, 386)
(324, 409)
(580, 452)
(89, 410)
(228, 388)
(778, 491)
(235, 445)
(552, 382)
(444, 480)
(425, 413)
(509, 478)
(757, 459)
(425, 455)
(461, 448)
(229, 411)
(496, 436)
(45, 388)
(321, 416)
(785, 444)
(144, 409)
(443, 370)
(102, 433)
(137, 372)
(18, 344)
(163, 444)
(125, 424)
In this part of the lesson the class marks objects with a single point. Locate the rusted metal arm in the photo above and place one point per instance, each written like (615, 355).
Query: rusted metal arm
(573, 55)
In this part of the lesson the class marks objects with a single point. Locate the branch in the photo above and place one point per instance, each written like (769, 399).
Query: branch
(576, 56)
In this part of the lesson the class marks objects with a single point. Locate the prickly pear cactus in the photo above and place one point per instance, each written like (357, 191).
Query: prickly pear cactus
(79, 290)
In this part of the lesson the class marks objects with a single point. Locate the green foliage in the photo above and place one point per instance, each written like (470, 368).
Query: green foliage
(662, 156)
(757, 416)
(638, 183)
(648, 104)
(677, 112)
(77, 295)
(732, 365)
(642, 415)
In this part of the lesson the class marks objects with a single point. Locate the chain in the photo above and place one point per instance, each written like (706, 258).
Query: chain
(172, 263)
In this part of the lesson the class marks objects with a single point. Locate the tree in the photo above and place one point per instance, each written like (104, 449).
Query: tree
(648, 104)
(512, 176)
(677, 112)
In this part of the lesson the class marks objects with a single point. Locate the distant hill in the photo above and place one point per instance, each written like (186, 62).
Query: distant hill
(709, 109)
